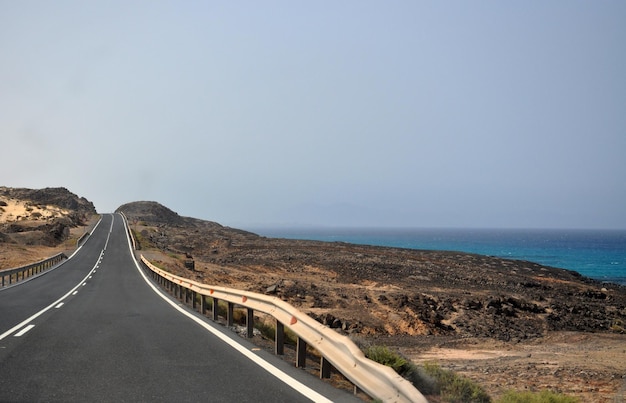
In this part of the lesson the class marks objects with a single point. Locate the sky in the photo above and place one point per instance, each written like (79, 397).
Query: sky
(483, 114)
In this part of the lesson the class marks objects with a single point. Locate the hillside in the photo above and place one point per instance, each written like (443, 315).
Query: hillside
(406, 292)
(37, 223)
(505, 323)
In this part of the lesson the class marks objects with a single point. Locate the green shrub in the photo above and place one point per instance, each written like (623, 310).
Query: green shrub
(139, 239)
(430, 379)
(290, 337)
(267, 331)
(239, 316)
(222, 308)
(617, 326)
(454, 388)
(545, 396)
(383, 355)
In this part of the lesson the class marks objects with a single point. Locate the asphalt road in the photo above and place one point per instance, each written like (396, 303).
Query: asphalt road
(94, 329)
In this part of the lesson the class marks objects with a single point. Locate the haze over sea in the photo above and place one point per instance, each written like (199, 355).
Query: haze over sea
(599, 254)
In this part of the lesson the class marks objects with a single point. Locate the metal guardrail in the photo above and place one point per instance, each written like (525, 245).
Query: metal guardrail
(10, 276)
(82, 239)
(376, 380)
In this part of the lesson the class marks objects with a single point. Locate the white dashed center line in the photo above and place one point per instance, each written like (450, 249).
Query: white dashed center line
(23, 331)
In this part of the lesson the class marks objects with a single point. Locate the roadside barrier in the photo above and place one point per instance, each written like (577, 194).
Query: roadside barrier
(10, 276)
(338, 351)
(82, 239)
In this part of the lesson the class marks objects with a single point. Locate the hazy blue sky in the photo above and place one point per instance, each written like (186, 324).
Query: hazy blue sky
(358, 113)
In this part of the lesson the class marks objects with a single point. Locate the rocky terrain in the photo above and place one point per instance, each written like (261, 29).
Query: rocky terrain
(506, 324)
(486, 317)
(403, 291)
(38, 223)
(41, 217)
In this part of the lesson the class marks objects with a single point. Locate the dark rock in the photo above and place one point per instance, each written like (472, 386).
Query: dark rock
(336, 324)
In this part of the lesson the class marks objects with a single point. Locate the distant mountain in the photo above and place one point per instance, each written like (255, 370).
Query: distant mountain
(183, 234)
(59, 197)
(152, 213)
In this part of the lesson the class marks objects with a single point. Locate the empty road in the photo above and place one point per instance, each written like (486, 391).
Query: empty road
(95, 329)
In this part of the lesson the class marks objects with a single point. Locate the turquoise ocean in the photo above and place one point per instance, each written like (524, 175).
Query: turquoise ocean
(599, 254)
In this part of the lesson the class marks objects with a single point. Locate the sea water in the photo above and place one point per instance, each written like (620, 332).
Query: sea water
(599, 254)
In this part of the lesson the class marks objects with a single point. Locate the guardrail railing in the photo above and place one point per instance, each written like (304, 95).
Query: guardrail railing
(338, 351)
(10, 276)
(82, 239)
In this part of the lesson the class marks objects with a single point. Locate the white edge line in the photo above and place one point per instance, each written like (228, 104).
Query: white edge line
(110, 232)
(50, 269)
(23, 331)
(293, 383)
(19, 325)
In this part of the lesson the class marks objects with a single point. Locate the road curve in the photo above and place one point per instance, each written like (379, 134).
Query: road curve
(93, 329)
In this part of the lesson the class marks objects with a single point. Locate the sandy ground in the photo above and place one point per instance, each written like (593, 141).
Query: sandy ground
(14, 255)
(16, 210)
(591, 366)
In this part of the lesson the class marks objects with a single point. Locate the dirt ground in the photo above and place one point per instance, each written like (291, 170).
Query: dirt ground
(15, 255)
(428, 319)
(589, 365)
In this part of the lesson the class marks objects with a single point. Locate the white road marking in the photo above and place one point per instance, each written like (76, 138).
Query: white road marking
(36, 315)
(293, 383)
(23, 331)
(59, 305)
(52, 268)
(75, 252)
(109, 235)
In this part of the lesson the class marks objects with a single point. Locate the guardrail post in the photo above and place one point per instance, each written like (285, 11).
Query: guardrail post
(202, 304)
(250, 323)
(300, 353)
(230, 314)
(325, 368)
(193, 299)
(374, 378)
(215, 309)
(279, 339)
